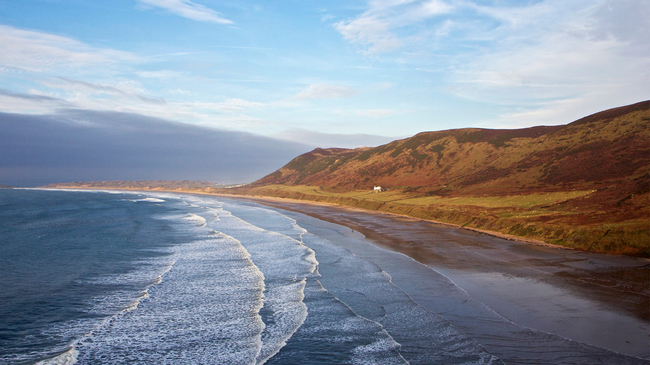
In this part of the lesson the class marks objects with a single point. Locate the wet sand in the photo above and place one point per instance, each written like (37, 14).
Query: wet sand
(519, 300)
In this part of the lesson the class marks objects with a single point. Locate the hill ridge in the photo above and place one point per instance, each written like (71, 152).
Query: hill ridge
(429, 159)
(603, 158)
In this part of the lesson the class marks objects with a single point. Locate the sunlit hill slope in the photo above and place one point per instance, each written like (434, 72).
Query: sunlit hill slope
(583, 185)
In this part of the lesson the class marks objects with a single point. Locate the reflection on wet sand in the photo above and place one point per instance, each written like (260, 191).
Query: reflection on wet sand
(595, 299)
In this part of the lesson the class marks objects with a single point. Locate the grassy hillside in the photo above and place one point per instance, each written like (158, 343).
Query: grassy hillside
(583, 185)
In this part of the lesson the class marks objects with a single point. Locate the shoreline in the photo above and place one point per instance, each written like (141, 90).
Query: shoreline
(566, 292)
(271, 199)
(592, 298)
(505, 236)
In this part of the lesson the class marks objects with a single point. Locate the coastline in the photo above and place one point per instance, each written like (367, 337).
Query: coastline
(582, 232)
(596, 299)
(555, 290)
(271, 199)
(505, 236)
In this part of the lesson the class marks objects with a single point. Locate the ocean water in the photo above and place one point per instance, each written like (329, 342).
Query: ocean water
(127, 278)
(122, 278)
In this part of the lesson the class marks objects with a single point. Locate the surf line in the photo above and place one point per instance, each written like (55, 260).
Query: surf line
(286, 264)
(69, 356)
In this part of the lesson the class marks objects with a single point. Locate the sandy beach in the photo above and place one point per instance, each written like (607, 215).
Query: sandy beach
(523, 302)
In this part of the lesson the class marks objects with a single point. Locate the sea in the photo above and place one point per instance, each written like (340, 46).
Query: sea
(113, 277)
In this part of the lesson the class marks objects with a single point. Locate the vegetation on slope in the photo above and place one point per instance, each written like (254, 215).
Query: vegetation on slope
(584, 185)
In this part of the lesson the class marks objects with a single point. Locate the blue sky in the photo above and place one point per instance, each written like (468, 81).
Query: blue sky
(329, 73)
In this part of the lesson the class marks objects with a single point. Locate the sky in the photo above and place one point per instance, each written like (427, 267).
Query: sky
(317, 73)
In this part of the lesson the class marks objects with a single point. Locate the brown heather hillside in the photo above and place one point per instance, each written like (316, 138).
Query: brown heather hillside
(605, 149)
(601, 163)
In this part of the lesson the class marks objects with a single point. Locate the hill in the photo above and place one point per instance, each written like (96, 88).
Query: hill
(584, 185)
(592, 152)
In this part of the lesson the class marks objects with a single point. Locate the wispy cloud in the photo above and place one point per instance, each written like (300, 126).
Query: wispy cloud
(188, 9)
(62, 73)
(33, 96)
(323, 91)
(37, 52)
(128, 89)
(376, 112)
(377, 27)
(318, 139)
(556, 58)
(161, 74)
(32, 102)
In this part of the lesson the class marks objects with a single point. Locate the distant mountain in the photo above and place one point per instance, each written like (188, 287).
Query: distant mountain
(610, 148)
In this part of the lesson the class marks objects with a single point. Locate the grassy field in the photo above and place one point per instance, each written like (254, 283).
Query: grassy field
(554, 217)
(399, 196)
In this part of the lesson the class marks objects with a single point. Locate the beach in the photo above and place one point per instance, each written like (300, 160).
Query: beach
(521, 301)
(168, 278)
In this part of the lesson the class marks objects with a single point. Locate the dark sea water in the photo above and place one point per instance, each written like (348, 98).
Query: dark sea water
(126, 278)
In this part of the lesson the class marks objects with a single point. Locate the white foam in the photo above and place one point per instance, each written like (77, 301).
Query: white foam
(204, 311)
(145, 293)
(196, 218)
(286, 263)
(426, 336)
(67, 358)
(149, 200)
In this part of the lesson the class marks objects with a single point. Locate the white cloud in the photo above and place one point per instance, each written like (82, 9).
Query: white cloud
(62, 73)
(325, 140)
(120, 89)
(234, 105)
(38, 52)
(431, 8)
(161, 74)
(558, 61)
(376, 112)
(370, 31)
(376, 28)
(34, 102)
(188, 9)
(179, 91)
(547, 61)
(627, 21)
(323, 91)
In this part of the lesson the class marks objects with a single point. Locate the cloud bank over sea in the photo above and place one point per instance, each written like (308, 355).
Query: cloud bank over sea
(83, 145)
